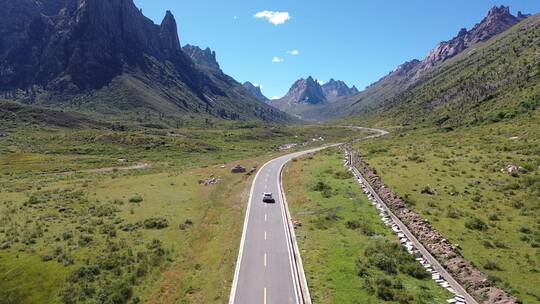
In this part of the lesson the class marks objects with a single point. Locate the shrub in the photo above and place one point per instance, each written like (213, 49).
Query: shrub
(491, 265)
(428, 190)
(343, 174)
(353, 224)
(476, 224)
(136, 199)
(525, 229)
(453, 213)
(324, 188)
(84, 273)
(85, 239)
(415, 270)
(155, 223)
(494, 217)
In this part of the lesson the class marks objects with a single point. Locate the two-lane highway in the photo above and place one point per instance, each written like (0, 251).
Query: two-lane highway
(265, 271)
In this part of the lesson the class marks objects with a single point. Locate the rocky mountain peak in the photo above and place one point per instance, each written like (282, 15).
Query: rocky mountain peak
(205, 57)
(498, 11)
(169, 32)
(310, 91)
(255, 90)
(497, 20)
(334, 90)
(305, 91)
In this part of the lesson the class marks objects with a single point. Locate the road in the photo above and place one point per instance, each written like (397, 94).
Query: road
(266, 271)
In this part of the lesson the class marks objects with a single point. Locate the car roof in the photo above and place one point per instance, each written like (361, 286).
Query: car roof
(267, 193)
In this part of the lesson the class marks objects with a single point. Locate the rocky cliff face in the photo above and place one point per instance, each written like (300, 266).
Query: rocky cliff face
(255, 91)
(86, 45)
(65, 50)
(334, 90)
(305, 91)
(498, 20)
(309, 92)
(205, 57)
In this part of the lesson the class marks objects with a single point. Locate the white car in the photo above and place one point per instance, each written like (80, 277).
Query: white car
(268, 198)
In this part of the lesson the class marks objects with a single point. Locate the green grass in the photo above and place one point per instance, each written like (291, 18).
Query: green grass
(71, 235)
(201, 236)
(492, 215)
(349, 255)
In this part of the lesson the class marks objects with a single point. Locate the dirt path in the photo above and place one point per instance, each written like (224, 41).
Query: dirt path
(137, 166)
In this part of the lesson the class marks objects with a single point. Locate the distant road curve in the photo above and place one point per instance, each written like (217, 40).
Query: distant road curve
(269, 267)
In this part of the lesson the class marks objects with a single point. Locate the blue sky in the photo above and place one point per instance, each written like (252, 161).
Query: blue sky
(352, 40)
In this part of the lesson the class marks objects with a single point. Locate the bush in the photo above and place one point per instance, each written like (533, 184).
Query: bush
(155, 223)
(476, 224)
(490, 265)
(453, 213)
(85, 239)
(415, 270)
(353, 225)
(525, 229)
(343, 174)
(428, 190)
(136, 199)
(324, 188)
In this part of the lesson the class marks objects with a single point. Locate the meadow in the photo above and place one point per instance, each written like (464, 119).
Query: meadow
(349, 255)
(463, 181)
(77, 228)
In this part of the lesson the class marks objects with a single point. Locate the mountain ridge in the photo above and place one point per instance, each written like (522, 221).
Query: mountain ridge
(100, 55)
(255, 90)
(497, 20)
(306, 92)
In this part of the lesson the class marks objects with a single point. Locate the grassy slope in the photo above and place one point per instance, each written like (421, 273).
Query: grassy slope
(337, 229)
(464, 168)
(40, 171)
(494, 81)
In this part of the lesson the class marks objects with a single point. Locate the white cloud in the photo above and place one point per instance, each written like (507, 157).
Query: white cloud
(275, 97)
(235, 17)
(273, 17)
(293, 52)
(276, 59)
(320, 82)
(258, 85)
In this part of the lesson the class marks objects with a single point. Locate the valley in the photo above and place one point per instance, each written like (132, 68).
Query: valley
(135, 169)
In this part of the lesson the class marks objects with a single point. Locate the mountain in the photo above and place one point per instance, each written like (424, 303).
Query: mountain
(408, 74)
(334, 90)
(106, 57)
(497, 80)
(309, 93)
(205, 57)
(255, 91)
(305, 91)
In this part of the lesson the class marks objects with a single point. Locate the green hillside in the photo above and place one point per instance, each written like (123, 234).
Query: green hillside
(497, 80)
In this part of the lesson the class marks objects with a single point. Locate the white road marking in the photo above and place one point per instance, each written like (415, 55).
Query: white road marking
(265, 235)
(243, 239)
(264, 297)
(265, 217)
(265, 260)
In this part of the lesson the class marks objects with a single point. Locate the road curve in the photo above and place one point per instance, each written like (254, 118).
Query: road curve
(266, 271)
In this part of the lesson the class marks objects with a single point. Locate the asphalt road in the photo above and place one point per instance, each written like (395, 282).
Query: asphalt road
(265, 271)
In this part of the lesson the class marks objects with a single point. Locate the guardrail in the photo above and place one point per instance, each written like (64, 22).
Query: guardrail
(427, 255)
